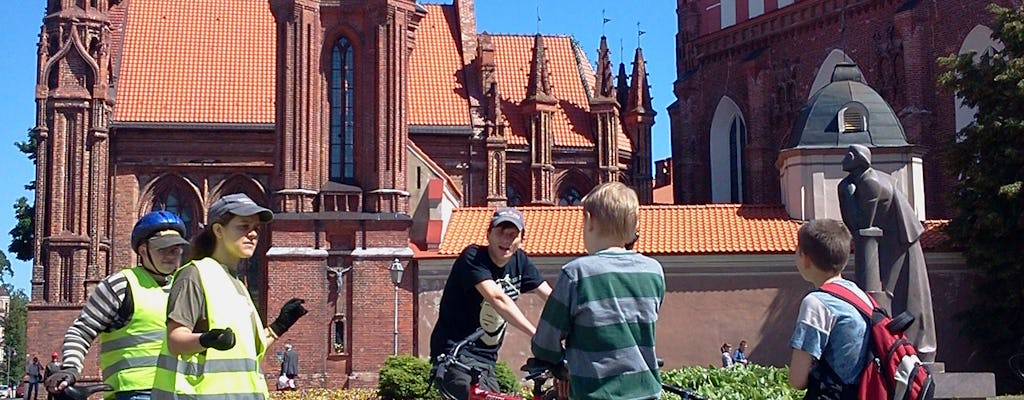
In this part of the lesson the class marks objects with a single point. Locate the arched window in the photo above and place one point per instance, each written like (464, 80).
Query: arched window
(342, 100)
(569, 196)
(728, 140)
(512, 195)
(737, 142)
(172, 200)
(853, 118)
(979, 41)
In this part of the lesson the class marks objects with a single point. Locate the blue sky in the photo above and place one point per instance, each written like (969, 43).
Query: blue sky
(579, 18)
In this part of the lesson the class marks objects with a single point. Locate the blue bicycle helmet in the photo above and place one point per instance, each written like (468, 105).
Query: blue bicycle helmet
(154, 222)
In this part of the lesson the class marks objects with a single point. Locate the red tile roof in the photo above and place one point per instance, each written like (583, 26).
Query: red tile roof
(570, 71)
(437, 95)
(200, 62)
(683, 229)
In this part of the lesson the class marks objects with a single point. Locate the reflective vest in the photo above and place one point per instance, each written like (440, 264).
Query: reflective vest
(128, 355)
(233, 374)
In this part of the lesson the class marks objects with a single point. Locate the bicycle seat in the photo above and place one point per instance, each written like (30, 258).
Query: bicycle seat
(534, 365)
(82, 392)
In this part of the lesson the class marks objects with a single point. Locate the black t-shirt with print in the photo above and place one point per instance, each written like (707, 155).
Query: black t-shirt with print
(459, 314)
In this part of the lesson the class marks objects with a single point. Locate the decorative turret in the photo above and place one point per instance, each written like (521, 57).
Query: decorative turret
(605, 109)
(494, 128)
(639, 117)
(538, 109)
(621, 86)
(74, 104)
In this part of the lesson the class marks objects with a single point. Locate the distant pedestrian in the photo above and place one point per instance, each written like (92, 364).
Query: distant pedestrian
(739, 357)
(726, 355)
(52, 368)
(35, 375)
(290, 366)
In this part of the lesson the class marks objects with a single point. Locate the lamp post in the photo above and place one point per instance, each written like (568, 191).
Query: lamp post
(396, 271)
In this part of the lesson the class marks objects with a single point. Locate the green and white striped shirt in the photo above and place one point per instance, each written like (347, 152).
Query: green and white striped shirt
(605, 308)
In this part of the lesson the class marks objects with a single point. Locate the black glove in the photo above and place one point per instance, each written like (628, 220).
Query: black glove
(68, 375)
(290, 312)
(220, 339)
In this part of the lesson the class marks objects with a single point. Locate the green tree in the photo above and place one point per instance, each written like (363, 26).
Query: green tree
(987, 157)
(14, 332)
(24, 231)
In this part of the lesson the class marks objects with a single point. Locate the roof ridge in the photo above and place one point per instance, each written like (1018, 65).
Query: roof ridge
(529, 35)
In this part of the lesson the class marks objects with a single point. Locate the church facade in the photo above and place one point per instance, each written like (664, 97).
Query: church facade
(357, 122)
(746, 67)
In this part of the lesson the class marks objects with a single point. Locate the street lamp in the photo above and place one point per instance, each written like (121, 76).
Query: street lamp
(396, 271)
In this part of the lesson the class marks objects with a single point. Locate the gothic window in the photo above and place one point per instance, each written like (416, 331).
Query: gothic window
(173, 201)
(737, 142)
(342, 114)
(755, 8)
(728, 139)
(338, 344)
(513, 196)
(728, 9)
(570, 196)
(783, 3)
(979, 41)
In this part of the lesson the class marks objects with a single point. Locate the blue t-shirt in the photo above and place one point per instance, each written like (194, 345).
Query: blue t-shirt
(831, 329)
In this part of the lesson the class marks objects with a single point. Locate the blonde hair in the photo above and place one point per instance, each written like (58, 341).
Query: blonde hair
(613, 209)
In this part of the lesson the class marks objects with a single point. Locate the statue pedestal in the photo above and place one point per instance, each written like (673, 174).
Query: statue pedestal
(961, 385)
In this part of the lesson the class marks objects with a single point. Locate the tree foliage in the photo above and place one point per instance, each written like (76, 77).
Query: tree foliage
(987, 157)
(24, 231)
(14, 333)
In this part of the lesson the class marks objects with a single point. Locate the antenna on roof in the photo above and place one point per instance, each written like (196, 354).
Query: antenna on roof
(538, 19)
(604, 21)
(639, 33)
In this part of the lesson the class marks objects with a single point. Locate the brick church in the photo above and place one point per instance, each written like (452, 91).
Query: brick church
(360, 123)
(745, 69)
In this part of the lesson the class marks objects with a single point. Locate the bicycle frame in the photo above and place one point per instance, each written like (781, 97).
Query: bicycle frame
(537, 374)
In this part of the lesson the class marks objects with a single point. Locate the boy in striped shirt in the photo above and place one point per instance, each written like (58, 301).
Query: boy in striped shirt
(602, 313)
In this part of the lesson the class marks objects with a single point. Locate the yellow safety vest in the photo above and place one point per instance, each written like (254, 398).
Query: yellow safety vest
(128, 355)
(233, 374)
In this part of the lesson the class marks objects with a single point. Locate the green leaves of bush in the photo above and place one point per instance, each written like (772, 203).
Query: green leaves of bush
(405, 377)
(752, 382)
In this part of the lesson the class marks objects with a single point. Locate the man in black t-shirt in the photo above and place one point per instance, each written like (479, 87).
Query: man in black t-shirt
(481, 291)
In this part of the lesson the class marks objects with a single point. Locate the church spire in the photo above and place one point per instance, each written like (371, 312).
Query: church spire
(539, 88)
(639, 99)
(605, 85)
(622, 86)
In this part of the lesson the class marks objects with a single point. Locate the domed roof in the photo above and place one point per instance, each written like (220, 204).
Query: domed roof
(846, 112)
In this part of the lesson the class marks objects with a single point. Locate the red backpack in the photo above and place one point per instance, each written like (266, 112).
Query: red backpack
(895, 372)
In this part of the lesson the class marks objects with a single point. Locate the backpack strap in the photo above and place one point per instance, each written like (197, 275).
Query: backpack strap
(847, 295)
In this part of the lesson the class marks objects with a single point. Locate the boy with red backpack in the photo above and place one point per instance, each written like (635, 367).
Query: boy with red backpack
(844, 345)
(830, 342)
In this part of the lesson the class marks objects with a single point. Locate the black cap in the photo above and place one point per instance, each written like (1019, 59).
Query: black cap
(508, 214)
(237, 204)
(167, 238)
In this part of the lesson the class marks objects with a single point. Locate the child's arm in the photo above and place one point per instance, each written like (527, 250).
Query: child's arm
(800, 369)
(504, 305)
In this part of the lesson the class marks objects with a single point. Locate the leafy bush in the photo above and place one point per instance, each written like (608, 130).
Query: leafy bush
(507, 380)
(326, 394)
(405, 377)
(752, 382)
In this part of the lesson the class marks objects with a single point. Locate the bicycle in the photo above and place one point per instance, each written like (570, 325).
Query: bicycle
(539, 372)
(73, 392)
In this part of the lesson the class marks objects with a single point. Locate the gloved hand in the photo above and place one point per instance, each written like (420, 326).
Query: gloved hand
(290, 312)
(220, 339)
(61, 379)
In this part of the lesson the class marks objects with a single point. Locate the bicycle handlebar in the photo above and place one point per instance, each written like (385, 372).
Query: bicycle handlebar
(682, 393)
(82, 392)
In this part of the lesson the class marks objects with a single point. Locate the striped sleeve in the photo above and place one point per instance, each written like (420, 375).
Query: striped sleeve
(97, 316)
(555, 321)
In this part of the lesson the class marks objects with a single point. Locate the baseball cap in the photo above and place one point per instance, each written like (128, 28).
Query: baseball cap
(167, 238)
(238, 204)
(508, 214)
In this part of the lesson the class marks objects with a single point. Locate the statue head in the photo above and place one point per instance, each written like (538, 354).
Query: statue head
(858, 157)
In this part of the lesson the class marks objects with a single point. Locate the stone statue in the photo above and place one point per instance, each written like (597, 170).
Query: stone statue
(889, 260)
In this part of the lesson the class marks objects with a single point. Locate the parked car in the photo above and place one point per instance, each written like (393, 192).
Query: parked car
(5, 392)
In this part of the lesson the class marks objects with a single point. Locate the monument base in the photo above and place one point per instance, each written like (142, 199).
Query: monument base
(964, 385)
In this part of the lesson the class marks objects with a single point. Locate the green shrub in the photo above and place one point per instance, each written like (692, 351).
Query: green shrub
(752, 382)
(507, 380)
(404, 377)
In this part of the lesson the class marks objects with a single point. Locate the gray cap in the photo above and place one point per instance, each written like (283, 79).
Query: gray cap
(508, 214)
(237, 204)
(167, 238)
